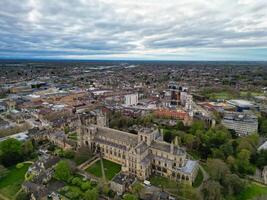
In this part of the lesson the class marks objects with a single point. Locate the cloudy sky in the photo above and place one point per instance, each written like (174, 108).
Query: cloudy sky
(134, 29)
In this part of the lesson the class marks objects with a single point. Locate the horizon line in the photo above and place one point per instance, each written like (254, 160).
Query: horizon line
(121, 60)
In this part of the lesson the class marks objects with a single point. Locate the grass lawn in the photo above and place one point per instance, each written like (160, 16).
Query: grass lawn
(110, 168)
(163, 182)
(220, 95)
(11, 183)
(198, 179)
(245, 94)
(252, 191)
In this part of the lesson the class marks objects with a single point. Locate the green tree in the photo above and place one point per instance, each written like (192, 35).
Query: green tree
(63, 170)
(244, 155)
(129, 197)
(260, 159)
(137, 188)
(10, 152)
(168, 137)
(231, 161)
(189, 140)
(243, 161)
(244, 144)
(212, 190)
(227, 149)
(188, 192)
(233, 185)
(197, 126)
(76, 181)
(217, 169)
(69, 154)
(263, 126)
(91, 194)
(180, 125)
(27, 148)
(217, 153)
(86, 186)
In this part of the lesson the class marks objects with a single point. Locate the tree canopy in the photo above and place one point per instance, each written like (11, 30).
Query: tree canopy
(10, 152)
(63, 170)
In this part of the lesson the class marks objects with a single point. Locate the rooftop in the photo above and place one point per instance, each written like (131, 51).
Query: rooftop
(189, 166)
(241, 103)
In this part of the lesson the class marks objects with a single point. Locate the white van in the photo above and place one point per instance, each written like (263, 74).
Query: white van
(147, 183)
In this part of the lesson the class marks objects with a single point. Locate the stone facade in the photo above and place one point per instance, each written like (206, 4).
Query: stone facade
(141, 154)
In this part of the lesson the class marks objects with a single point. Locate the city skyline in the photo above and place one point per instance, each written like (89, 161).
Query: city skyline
(134, 30)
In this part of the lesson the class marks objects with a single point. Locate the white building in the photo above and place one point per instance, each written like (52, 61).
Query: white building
(186, 100)
(242, 123)
(131, 99)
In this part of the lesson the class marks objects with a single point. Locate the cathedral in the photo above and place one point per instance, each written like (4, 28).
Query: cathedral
(139, 154)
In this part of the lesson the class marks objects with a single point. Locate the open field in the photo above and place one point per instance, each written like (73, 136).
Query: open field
(11, 183)
(160, 181)
(110, 168)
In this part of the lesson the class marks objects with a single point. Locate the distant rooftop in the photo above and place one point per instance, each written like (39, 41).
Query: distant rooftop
(241, 103)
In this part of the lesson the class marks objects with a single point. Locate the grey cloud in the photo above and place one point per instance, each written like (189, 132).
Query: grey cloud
(105, 27)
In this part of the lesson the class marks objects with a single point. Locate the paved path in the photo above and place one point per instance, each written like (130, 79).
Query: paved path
(17, 193)
(2, 197)
(87, 163)
(102, 169)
